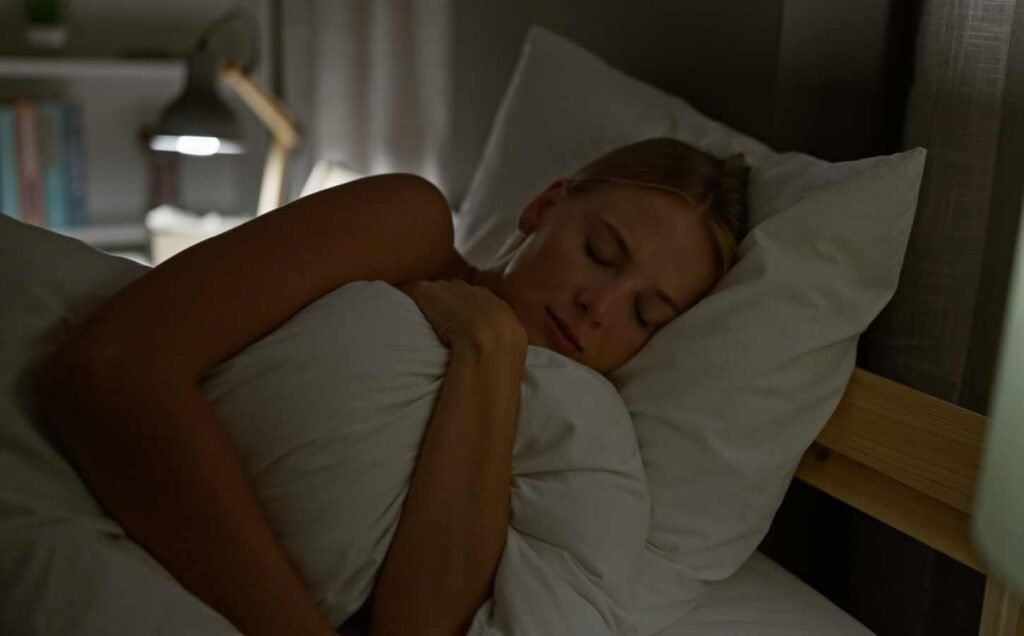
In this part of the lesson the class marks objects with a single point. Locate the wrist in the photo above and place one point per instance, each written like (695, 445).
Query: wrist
(493, 347)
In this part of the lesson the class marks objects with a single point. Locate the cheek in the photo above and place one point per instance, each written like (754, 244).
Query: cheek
(567, 261)
(538, 277)
(546, 265)
(523, 281)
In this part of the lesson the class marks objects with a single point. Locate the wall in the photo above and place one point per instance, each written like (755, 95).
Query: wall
(674, 45)
(115, 110)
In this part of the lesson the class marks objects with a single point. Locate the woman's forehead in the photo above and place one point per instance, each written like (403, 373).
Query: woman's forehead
(665, 234)
(623, 198)
(644, 215)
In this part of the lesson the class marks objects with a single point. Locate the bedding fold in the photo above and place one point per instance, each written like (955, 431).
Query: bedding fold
(327, 413)
(332, 468)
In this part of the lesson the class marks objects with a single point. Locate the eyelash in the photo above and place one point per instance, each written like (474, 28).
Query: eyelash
(593, 256)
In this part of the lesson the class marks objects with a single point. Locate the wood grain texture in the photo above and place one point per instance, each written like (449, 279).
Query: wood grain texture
(918, 440)
(911, 461)
(905, 458)
(1001, 614)
(264, 104)
(915, 514)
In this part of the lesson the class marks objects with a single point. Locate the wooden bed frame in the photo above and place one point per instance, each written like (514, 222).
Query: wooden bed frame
(911, 461)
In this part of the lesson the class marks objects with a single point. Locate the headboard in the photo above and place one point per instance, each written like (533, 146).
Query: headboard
(825, 77)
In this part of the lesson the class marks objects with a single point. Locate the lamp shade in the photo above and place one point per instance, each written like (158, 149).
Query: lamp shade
(998, 520)
(198, 122)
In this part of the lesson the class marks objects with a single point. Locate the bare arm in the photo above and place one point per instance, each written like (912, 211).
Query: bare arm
(123, 392)
(451, 534)
(159, 459)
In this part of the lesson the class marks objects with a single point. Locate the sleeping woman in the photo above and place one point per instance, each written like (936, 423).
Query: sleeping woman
(603, 260)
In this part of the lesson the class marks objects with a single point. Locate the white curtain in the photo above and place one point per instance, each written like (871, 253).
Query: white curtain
(372, 79)
(960, 108)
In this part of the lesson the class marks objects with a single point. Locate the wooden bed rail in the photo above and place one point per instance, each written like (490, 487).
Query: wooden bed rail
(911, 461)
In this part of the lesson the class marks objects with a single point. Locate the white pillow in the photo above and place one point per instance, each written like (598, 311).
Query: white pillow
(328, 411)
(727, 397)
(50, 525)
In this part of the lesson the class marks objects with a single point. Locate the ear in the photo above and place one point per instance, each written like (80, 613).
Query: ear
(535, 211)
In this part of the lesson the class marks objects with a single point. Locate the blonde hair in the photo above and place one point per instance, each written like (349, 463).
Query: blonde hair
(717, 188)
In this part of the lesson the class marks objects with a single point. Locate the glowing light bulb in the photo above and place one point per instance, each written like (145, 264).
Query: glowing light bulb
(200, 146)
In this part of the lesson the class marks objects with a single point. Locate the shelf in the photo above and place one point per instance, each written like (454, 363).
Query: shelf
(109, 235)
(92, 68)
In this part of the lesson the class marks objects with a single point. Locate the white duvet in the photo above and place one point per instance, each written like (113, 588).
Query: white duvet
(328, 412)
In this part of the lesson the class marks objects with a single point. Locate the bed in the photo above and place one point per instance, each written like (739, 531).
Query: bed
(785, 72)
(898, 455)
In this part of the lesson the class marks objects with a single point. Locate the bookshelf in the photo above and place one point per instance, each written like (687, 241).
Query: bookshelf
(116, 96)
(168, 70)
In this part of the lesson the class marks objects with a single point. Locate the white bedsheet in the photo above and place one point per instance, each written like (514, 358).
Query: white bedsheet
(763, 599)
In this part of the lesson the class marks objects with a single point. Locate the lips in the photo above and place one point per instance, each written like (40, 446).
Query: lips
(566, 330)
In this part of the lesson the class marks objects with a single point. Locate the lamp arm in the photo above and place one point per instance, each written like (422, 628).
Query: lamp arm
(263, 104)
(269, 110)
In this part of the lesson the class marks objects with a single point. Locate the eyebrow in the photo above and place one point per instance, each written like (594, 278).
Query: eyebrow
(629, 257)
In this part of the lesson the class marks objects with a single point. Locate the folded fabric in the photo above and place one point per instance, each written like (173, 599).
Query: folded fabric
(327, 412)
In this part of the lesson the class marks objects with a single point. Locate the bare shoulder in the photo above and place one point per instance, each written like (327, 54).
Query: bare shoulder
(217, 297)
(432, 213)
(407, 193)
(422, 220)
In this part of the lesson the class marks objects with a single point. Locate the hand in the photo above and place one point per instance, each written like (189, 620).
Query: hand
(467, 315)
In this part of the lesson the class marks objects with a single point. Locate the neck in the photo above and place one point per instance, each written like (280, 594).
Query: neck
(458, 268)
(484, 278)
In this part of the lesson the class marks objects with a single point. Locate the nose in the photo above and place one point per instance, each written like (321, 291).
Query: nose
(598, 301)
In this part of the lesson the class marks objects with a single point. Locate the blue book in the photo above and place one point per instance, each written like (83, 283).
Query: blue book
(10, 187)
(51, 160)
(74, 150)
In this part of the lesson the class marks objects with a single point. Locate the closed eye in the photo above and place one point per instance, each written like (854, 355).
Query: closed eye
(597, 259)
(594, 257)
(640, 319)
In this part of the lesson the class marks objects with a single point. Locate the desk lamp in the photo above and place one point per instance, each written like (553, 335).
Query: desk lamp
(198, 122)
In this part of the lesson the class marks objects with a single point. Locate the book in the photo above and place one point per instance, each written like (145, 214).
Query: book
(26, 117)
(51, 160)
(74, 151)
(10, 190)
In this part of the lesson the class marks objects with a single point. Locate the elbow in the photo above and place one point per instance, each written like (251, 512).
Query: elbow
(55, 391)
(80, 396)
(54, 377)
(73, 378)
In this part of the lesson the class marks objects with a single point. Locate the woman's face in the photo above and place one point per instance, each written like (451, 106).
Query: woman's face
(613, 264)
